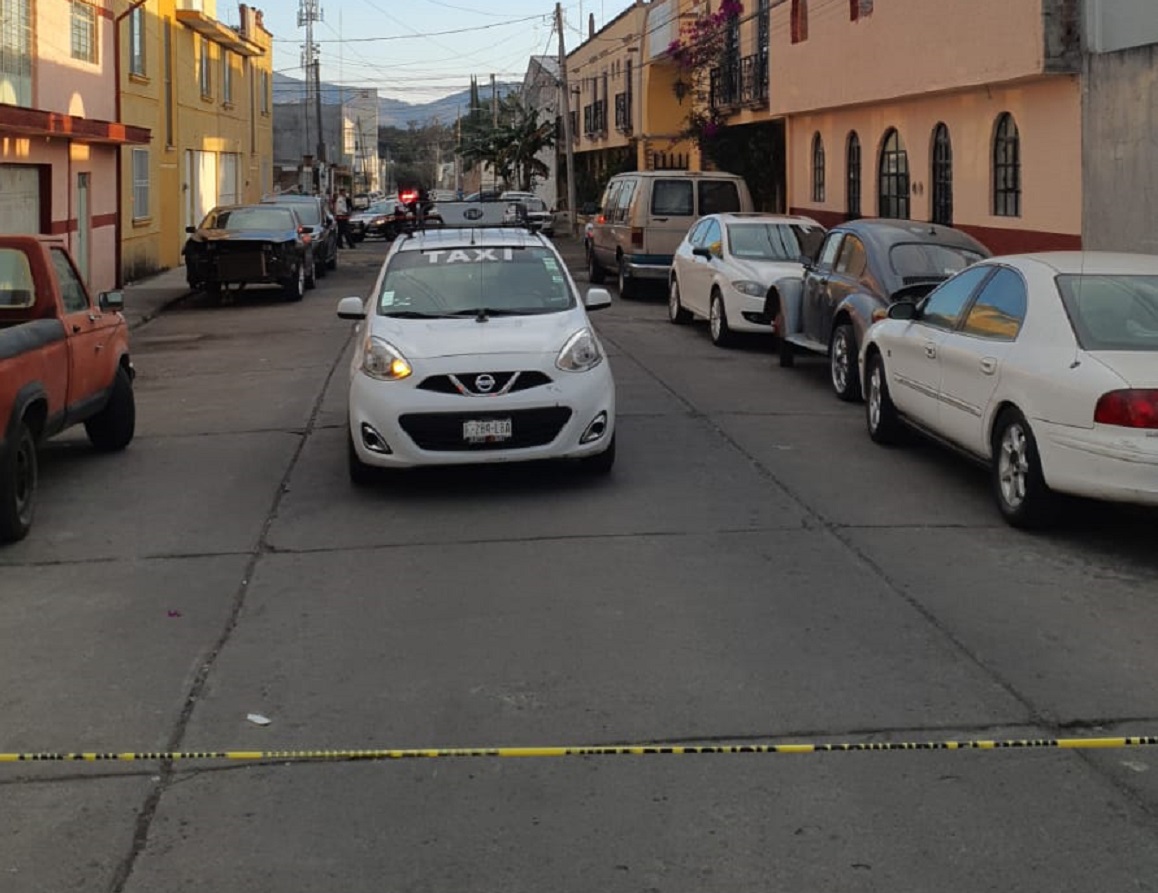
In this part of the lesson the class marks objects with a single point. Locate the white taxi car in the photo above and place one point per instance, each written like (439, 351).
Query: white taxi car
(476, 347)
(1045, 366)
(726, 264)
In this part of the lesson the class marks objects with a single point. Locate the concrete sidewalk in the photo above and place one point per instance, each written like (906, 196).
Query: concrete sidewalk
(146, 298)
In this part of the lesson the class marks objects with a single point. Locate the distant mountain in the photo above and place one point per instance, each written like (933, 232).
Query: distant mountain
(391, 112)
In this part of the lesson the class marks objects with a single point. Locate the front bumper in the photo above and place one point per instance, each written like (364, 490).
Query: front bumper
(1103, 462)
(424, 428)
(745, 312)
(234, 267)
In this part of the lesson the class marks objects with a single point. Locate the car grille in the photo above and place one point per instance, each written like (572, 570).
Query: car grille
(442, 431)
(500, 383)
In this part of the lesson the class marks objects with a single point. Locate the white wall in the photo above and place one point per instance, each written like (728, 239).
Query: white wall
(1120, 24)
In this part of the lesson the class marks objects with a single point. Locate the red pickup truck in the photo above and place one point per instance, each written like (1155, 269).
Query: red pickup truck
(64, 359)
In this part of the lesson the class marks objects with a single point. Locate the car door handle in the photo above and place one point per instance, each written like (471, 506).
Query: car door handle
(988, 365)
(659, 219)
(931, 351)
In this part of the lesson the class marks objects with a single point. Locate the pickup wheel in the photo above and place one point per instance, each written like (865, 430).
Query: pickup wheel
(113, 427)
(18, 475)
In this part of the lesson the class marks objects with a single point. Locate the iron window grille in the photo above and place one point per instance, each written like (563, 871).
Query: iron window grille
(894, 177)
(942, 176)
(853, 175)
(1006, 168)
(817, 168)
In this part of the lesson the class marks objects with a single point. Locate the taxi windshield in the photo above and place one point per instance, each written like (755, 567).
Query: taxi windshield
(507, 280)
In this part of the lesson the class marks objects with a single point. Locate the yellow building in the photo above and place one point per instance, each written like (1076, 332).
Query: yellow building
(204, 89)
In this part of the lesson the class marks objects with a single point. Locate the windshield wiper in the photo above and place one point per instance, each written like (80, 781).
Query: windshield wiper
(417, 314)
(482, 314)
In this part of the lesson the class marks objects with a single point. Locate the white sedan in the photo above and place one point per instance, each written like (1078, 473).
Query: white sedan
(476, 347)
(1044, 366)
(725, 265)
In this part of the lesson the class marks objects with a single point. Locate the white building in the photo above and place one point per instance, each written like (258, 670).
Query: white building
(541, 91)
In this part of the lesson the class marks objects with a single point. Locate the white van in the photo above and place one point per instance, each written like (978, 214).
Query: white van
(644, 216)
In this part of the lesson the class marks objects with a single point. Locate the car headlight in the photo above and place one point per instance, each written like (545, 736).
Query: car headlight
(580, 353)
(378, 221)
(383, 361)
(750, 288)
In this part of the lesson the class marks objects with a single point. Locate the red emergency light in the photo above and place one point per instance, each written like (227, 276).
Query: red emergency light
(407, 196)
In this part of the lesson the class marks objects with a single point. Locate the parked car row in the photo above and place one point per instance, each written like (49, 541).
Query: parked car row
(1044, 367)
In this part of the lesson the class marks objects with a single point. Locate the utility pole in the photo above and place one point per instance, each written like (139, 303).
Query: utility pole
(309, 11)
(570, 147)
(494, 127)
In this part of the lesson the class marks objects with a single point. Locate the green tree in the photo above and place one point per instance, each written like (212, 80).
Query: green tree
(509, 144)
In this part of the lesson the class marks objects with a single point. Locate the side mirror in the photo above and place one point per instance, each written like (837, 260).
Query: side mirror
(597, 299)
(903, 310)
(806, 261)
(112, 301)
(701, 251)
(190, 229)
(351, 308)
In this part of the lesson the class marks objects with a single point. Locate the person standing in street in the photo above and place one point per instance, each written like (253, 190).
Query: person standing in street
(342, 214)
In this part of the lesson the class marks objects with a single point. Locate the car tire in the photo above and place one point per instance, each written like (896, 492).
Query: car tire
(311, 276)
(1023, 497)
(600, 463)
(624, 283)
(112, 428)
(214, 292)
(676, 312)
(361, 474)
(294, 288)
(19, 473)
(842, 363)
(718, 328)
(595, 273)
(884, 422)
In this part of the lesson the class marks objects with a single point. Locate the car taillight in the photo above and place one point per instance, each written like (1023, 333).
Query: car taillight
(600, 219)
(1133, 408)
(636, 237)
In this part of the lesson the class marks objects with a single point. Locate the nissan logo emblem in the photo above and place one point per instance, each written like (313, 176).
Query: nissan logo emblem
(473, 213)
(484, 383)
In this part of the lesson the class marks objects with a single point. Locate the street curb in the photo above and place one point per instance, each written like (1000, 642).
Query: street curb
(167, 305)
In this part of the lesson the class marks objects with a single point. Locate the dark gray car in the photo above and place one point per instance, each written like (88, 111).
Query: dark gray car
(320, 224)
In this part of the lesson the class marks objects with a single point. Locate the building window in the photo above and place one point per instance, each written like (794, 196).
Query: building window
(799, 23)
(83, 29)
(1006, 168)
(265, 92)
(817, 168)
(140, 183)
(137, 42)
(858, 9)
(942, 176)
(206, 81)
(16, 52)
(893, 199)
(168, 68)
(226, 77)
(853, 176)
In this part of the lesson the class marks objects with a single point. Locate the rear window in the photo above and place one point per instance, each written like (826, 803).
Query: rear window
(1112, 312)
(917, 262)
(719, 197)
(672, 198)
(308, 212)
(17, 290)
(446, 282)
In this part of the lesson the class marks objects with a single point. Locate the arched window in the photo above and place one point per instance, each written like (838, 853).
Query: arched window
(942, 176)
(1006, 167)
(852, 176)
(893, 187)
(817, 168)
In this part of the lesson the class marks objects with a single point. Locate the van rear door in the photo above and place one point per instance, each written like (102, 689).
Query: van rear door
(670, 213)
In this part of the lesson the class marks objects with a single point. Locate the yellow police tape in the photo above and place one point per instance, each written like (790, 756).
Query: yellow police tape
(633, 750)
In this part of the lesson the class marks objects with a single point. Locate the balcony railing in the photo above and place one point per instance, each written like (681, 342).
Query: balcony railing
(744, 82)
(623, 112)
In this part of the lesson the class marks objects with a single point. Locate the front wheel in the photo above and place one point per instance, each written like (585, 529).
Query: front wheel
(113, 427)
(332, 260)
(1018, 483)
(675, 307)
(360, 473)
(295, 288)
(18, 478)
(884, 423)
(842, 362)
(718, 326)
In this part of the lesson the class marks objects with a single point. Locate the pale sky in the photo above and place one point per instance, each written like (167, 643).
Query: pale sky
(497, 36)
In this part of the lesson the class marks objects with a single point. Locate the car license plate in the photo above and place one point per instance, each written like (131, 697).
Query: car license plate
(486, 430)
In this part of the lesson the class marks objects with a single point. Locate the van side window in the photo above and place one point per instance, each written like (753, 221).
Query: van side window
(623, 202)
(610, 198)
(718, 197)
(672, 198)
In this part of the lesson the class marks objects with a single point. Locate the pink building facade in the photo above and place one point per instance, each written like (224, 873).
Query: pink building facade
(59, 135)
(926, 109)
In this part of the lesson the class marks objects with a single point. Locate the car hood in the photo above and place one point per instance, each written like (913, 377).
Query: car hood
(763, 271)
(1138, 368)
(427, 339)
(249, 235)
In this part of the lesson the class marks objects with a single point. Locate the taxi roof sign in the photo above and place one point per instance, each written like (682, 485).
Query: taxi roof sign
(479, 214)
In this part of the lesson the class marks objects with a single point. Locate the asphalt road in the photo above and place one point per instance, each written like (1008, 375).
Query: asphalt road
(754, 569)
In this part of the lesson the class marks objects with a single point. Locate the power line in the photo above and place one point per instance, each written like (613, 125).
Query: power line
(424, 35)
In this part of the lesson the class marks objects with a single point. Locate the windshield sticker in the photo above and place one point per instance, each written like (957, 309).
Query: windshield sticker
(549, 263)
(471, 256)
(387, 299)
